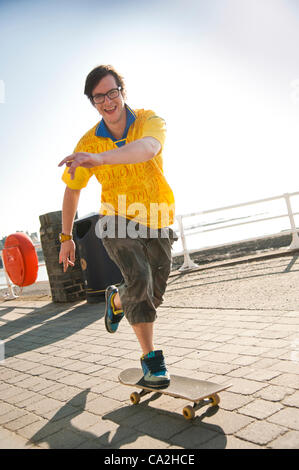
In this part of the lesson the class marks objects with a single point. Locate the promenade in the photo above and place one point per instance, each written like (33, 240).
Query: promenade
(235, 323)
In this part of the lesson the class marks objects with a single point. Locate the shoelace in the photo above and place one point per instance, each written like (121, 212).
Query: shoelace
(155, 364)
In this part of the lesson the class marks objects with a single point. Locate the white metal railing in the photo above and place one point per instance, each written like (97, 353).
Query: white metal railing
(11, 288)
(188, 264)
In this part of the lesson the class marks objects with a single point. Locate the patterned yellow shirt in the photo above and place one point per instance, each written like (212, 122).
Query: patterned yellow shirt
(136, 191)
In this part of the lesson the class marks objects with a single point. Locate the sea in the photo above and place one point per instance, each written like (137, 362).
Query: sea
(226, 226)
(42, 276)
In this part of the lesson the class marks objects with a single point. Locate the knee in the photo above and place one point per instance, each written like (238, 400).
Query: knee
(139, 277)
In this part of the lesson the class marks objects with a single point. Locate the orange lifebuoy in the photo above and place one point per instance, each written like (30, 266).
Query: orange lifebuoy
(20, 259)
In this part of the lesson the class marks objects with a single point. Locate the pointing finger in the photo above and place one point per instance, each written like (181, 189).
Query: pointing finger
(68, 159)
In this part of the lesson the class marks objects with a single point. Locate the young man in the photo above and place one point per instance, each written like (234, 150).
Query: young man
(124, 152)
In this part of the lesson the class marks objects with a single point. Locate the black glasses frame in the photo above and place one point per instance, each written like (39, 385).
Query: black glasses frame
(112, 94)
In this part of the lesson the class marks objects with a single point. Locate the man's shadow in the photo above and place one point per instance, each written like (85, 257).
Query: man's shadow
(61, 433)
(47, 325)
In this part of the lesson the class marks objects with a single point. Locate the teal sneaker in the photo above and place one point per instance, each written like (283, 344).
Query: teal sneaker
(154, 370)
(112, 316)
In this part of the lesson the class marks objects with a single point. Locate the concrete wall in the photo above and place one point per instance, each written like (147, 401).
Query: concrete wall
(238, 250)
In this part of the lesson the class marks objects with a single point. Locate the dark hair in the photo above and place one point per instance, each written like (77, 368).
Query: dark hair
(96, 75)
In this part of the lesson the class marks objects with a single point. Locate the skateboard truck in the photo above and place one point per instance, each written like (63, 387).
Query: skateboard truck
(189, 411)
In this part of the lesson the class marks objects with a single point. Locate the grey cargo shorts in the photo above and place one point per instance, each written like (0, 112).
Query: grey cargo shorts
(144, 260)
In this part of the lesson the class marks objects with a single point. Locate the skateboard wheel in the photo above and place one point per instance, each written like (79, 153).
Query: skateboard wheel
(188, 412)
(135, 398)
(215, 399)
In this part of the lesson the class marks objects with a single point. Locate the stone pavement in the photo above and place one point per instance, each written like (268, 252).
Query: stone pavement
(240, 324)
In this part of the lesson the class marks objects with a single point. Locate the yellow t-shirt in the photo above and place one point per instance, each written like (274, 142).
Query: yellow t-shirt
(136, 191)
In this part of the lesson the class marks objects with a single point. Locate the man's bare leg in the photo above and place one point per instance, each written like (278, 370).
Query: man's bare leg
(116, 301)
(143, 331)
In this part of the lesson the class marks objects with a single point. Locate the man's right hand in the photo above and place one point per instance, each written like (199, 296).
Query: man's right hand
(67, 254)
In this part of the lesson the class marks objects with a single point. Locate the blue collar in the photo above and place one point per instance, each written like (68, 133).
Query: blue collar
(102, 131)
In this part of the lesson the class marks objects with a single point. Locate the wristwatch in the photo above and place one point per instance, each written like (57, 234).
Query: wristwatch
(63, 237)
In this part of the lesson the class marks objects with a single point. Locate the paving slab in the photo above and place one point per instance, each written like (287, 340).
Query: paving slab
(232, 323)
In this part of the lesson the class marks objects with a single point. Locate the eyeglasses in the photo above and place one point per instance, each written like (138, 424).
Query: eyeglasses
(112, 94)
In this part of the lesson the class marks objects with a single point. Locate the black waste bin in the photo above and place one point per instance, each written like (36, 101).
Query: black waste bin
(99, 271)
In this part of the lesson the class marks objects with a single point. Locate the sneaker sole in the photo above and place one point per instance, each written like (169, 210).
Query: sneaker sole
(107, 293)
(164, 384)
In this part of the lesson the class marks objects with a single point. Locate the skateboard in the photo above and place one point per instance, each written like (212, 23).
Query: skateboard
(200, 392)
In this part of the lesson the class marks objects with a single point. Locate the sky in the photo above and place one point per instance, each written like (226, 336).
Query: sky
(224, 74)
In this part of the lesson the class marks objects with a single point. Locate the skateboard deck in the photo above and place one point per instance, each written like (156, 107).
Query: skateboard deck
(200, 392)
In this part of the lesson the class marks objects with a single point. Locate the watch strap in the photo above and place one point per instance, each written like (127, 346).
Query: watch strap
(63, 237)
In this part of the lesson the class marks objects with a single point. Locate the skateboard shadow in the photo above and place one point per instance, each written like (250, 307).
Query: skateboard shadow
(164, 426)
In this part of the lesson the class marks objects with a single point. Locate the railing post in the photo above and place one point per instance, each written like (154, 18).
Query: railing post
(188, 263)
(11, 294)
(295, 238)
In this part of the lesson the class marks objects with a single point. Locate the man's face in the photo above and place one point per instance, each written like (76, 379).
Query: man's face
(111, 110)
